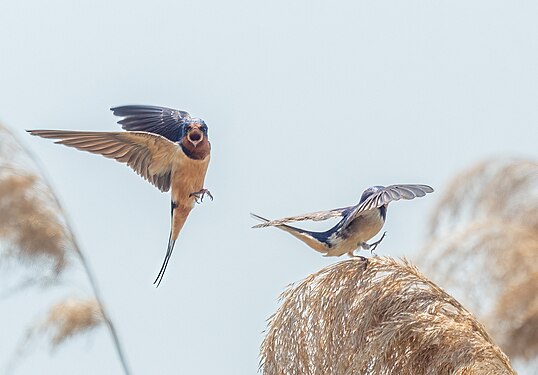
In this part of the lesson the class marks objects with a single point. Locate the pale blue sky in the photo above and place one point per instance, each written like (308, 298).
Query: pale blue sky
(307, 103)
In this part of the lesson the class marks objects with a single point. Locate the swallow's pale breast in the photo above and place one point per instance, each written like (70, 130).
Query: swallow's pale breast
(360, 230)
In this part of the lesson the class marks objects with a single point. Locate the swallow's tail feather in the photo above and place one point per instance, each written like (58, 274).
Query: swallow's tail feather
(260, 218)
(313, 216)
(179, 216)
(169, 251)
(315, 240)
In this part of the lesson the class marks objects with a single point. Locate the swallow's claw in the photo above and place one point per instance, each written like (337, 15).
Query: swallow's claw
(209, 195)
(353, 255)
(199, 195)
(374, 245)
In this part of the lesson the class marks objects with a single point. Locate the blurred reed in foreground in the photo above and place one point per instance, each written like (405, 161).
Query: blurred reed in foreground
(70, 317)
(484, 248)
(34, 230)
(381, 318)
(32, 227)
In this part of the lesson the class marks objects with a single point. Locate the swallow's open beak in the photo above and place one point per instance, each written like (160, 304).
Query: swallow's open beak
(195, 136)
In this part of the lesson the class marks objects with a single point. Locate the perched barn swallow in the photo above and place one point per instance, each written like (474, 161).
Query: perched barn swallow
(359, 223)
(167, 147)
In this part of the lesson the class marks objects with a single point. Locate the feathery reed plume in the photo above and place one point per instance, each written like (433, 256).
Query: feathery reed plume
(383, 317)
(31, 224)
(65, 319)
(484, 248)
(70, 317)
(503, 188)
(34, 223)
(518, 314)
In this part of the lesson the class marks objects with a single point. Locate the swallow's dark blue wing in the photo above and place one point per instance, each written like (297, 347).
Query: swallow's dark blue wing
(158, 120)
(385, 196)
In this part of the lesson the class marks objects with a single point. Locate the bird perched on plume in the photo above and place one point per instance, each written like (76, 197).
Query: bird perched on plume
(359, 223)
(167, 147)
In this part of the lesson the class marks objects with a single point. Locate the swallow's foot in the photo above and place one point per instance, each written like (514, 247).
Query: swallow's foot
(374, 245)
(199, 195)
(364, 245)
(352, 255)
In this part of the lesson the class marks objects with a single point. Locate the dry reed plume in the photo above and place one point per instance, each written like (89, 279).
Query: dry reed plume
(484, 248)
(64, 319)
(383, 318)
(33, 228)
(499, 188)
(31, 225)
(71, 317)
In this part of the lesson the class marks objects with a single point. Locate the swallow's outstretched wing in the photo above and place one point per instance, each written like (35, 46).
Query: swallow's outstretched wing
(313, 216)
(158, 120)
(385, 196)
(150, 155)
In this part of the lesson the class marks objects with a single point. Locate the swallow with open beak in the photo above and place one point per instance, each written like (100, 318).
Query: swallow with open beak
(359, 223)
(167, 147)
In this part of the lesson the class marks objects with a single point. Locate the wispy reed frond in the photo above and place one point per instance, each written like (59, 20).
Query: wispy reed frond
(64, 319)
(484, 248)
(33, 227)
(503, 188)
(70, 317)
(381, 318)
(517, 314)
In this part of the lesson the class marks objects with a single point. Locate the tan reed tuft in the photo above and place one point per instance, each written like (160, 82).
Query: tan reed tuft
(516, 312)
(29, 226)
(381, 318)
(32, 224)
(71, 317)
(502, 188)
(484, 249)
(33, 227)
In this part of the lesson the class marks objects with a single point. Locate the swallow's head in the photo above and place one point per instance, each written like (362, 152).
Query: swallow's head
(194, 138)
(368, 192)
(195, 131)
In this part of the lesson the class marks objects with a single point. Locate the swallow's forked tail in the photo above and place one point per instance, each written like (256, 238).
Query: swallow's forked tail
(262, 219)
(169, 250)
(312, 239)
(171, 240)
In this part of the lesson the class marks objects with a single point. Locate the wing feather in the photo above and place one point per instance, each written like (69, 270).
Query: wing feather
(150, 155)
(166, 122)
(313, 216)
(385, 196)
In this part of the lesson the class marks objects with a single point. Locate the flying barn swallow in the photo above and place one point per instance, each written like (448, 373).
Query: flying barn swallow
(167, 147)
(359, 223)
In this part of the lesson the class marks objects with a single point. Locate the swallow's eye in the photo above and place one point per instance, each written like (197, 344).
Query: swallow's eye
(203, 128)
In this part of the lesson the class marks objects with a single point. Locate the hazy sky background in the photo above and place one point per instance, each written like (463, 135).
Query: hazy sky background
(307, 103)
